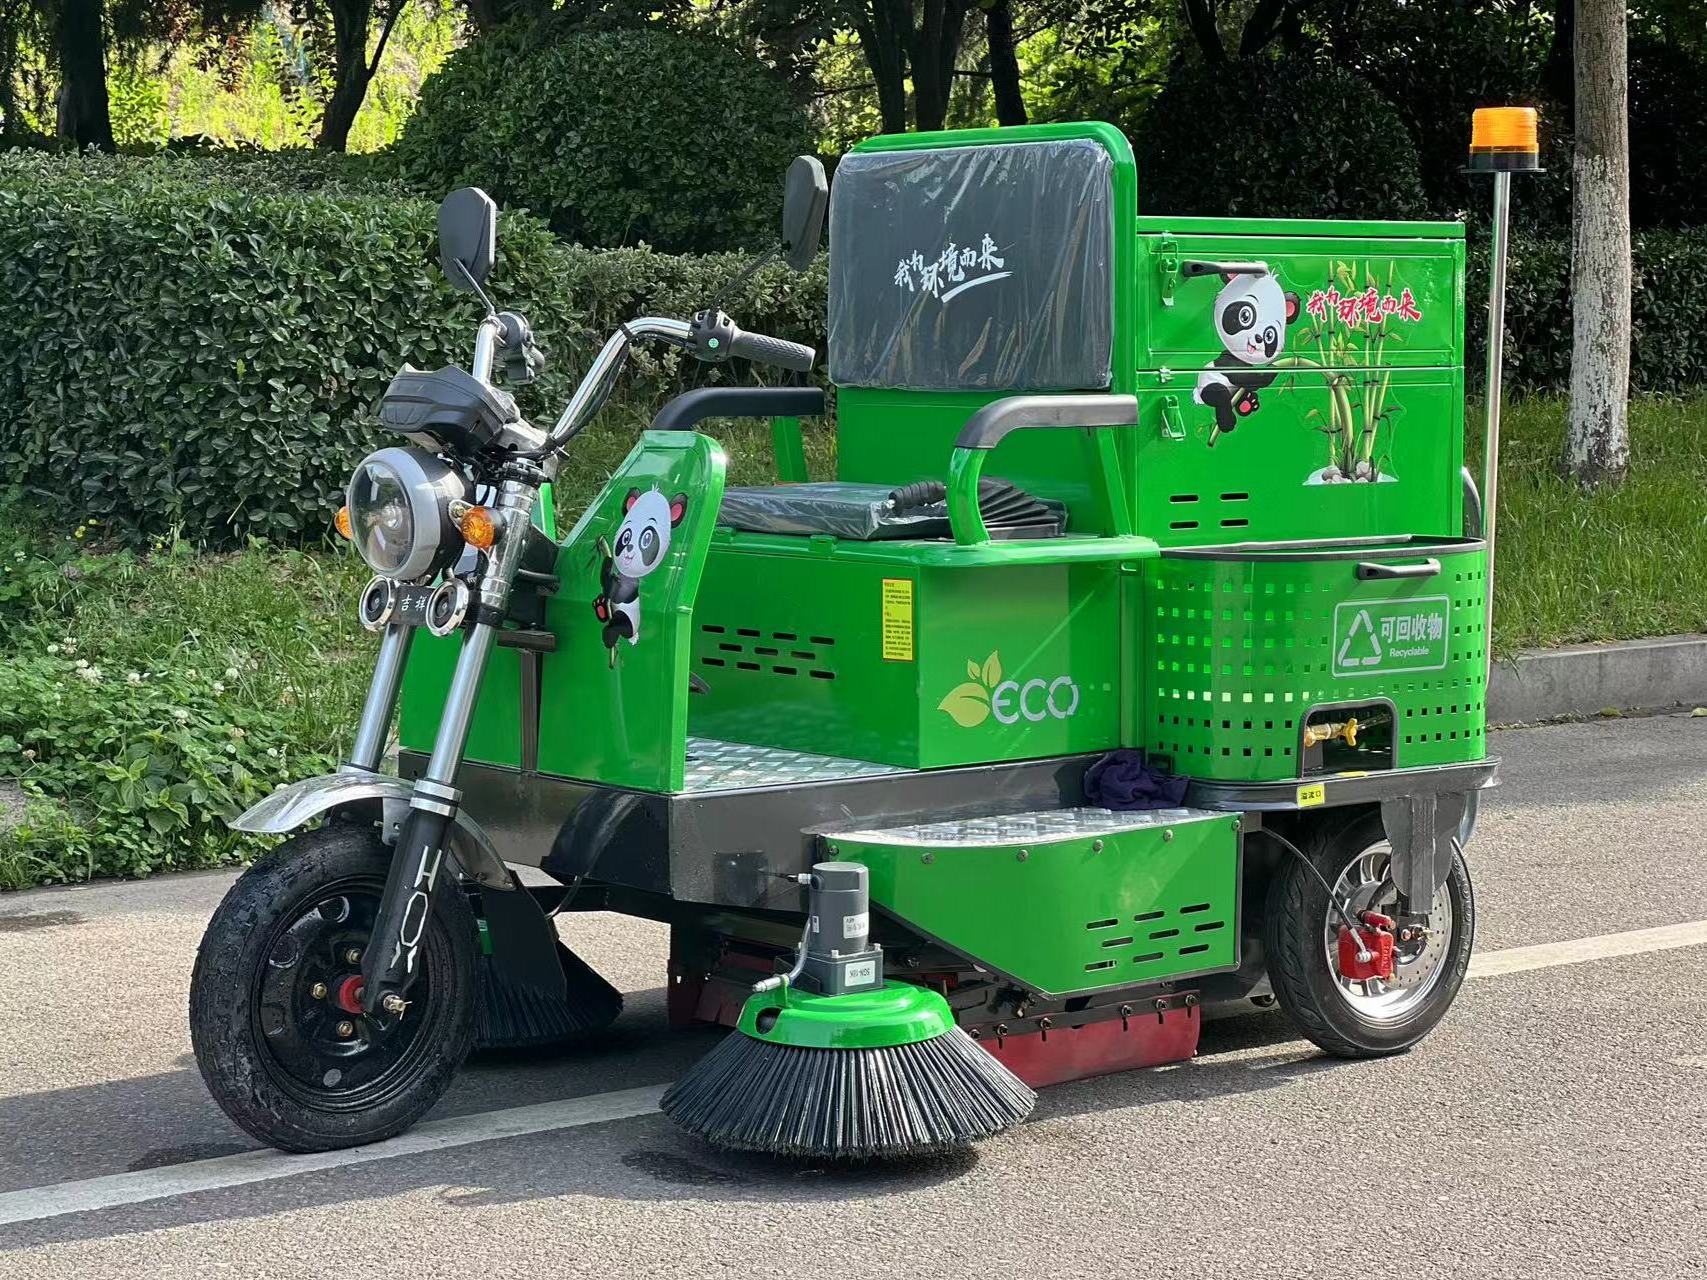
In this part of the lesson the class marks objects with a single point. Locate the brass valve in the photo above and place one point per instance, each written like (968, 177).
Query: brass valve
(1345, 730)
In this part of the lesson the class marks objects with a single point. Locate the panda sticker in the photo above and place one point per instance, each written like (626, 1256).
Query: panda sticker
(1251, 316)
(642, 541)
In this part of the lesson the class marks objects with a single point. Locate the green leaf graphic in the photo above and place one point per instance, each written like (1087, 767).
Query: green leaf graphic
(967, 704)
(992, 670)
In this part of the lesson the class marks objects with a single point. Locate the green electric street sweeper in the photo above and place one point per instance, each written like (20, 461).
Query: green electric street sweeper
(1131, 667)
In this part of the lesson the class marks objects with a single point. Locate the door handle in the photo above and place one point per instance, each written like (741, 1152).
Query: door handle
(1368, 569)
(1195, 267)
(1173, 421)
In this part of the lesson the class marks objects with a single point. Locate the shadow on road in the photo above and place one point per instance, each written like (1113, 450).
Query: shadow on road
(643, 1159)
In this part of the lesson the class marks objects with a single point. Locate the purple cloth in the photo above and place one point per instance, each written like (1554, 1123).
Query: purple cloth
(1121, 780)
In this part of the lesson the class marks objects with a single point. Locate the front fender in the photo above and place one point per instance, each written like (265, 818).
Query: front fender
(299, 803)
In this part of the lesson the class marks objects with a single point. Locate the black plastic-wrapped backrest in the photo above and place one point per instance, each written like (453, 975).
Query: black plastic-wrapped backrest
(973, 268)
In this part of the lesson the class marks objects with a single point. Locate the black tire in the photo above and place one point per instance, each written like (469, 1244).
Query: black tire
(306, 901)
(1303, 978)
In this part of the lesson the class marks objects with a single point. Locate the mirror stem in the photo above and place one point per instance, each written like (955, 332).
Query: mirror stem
(742, 276)
(474, 286)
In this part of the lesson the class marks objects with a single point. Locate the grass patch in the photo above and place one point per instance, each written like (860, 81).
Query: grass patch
(1615, 565)
(147, 699)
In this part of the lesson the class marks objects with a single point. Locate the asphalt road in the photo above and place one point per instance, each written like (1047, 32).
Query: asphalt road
(1555, 1126)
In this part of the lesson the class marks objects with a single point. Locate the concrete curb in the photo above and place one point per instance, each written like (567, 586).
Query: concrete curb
(1585, 679)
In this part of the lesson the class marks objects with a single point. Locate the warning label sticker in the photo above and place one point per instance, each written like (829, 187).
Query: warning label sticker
(897, 619)
(1391, 636)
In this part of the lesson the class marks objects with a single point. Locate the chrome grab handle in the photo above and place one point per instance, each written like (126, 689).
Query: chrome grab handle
(1368, 569)
(593, 386)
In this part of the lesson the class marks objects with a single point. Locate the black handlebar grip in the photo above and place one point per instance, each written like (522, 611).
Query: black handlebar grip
(772, 351)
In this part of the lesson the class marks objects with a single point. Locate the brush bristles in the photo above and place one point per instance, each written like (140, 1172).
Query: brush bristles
(511, 1015)
(941, 1093)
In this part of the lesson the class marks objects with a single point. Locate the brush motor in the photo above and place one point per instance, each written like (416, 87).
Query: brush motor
(839, 955)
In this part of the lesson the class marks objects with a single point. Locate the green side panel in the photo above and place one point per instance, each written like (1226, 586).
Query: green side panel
(1019, 663)
(1354, 426)
(1239, 652)
(1279, 475)
(494, 734)
(790, 649)
(1363, 303)
(838, 649)
(894, 1014)
(1072, 915)
(619, 714)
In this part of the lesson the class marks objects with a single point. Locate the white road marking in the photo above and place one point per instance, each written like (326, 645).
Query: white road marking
(1549, 955)
(121, 1189)
(265, 1166)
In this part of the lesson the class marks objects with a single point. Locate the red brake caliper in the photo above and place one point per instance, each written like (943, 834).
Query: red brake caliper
(1368, 952)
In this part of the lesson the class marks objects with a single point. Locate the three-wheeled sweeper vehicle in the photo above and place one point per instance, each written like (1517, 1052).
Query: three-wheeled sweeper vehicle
(1131, 667)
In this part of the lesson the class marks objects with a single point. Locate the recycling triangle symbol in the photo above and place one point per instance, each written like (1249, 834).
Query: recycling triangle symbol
(1368, 654)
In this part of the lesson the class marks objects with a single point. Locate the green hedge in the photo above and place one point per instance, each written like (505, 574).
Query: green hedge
(184, 355)
(1667, 354)
(187, 355)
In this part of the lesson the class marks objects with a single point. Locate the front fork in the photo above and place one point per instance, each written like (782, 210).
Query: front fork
(392, 961)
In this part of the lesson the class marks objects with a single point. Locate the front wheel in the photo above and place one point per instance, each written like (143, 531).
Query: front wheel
(275, 1014)
(1367, 1019)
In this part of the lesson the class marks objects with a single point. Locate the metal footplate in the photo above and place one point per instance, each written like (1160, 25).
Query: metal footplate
(1036, 826)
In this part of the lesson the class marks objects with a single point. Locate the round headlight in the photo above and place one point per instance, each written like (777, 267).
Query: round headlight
(399, 502)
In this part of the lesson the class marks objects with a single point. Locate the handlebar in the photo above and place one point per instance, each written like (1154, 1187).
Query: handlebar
(717, 338)
(712, 337)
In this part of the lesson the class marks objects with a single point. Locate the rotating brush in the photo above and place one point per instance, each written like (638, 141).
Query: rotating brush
(831, 1061)
(532, 991)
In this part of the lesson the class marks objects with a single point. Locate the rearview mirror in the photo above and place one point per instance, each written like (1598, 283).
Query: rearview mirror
(468, 238)
(806, 195)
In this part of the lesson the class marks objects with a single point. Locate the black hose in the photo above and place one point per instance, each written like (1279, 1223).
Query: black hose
(1337, 904)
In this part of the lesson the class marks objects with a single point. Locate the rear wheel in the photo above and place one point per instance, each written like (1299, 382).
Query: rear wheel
(275, 1014)
(1363, 1019)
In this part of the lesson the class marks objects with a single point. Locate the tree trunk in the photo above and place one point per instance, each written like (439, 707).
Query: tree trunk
(1597, 446)
(80, 33)
(880, 27)
(349, 72)
(932, 47)
(1200, 17)
(1004, 63)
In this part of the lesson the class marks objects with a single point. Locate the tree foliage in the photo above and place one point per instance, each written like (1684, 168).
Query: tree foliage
(612, 137)
(1278, 139)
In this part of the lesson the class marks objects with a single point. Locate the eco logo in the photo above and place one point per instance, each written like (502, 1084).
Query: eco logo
(1392, 636)
(986, 694)
(952, 272)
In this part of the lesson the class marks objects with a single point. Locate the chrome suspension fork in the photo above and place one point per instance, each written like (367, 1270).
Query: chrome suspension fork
(375, 724)
(393, 958)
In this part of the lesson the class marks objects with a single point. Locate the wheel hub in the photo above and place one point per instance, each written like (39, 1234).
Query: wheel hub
(320, 1042)
(348, 995)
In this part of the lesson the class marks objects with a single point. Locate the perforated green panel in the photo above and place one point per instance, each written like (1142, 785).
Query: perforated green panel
(1240, 651)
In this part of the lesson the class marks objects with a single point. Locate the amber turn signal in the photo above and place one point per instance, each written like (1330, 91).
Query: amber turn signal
(341, 522)
(1504, 138)
(478, 528)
